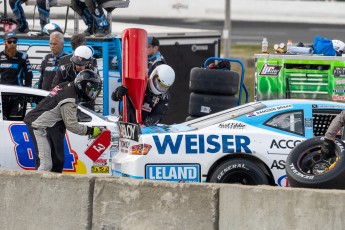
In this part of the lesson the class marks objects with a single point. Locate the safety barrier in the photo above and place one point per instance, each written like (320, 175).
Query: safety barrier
(35, 200)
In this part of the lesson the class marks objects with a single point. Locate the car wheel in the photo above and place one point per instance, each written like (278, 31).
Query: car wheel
(306, 167)
(203, 104)
(239, 171)
(214, 81)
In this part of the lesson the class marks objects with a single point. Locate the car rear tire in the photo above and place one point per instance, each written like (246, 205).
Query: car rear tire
(239, 171)
(306, 167)
(214, 81)
(203, 104)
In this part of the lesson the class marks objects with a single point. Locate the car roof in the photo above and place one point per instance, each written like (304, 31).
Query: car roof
(22, 89)
(270, 103)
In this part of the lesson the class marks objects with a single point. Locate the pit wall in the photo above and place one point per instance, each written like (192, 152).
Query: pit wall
(35, 200)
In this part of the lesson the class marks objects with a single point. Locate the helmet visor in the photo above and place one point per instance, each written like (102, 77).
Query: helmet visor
(92, 89)
(159, 85)
(80, 61)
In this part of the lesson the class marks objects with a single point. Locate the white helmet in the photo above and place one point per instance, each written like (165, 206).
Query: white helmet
(82, 56)
(50, 28)
(338, 45)
(161, 78)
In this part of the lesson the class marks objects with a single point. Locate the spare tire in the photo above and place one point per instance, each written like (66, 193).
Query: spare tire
(306, 167)
(214, 81)
(203, 104)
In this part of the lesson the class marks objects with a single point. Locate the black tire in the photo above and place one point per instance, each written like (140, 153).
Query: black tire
(203, 104)
(306, 167)
(239, 171)
(214, 81)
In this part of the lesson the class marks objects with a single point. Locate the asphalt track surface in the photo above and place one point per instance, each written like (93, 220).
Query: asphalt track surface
(244, 32)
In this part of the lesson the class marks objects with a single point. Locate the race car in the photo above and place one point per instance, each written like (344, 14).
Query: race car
(247, 144)
(17, 149)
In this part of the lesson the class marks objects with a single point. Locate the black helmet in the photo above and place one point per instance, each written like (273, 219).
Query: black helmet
(88, 85)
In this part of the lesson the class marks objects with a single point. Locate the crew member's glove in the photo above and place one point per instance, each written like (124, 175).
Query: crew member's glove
(96, 131)
(119, 93)
(327, 149)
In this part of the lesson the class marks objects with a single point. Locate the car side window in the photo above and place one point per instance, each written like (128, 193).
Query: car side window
(15, 106)
(83, 117)
(291, 122)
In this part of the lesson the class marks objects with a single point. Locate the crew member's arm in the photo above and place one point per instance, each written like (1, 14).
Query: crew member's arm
(69, 115)
(27, 71)
(58, 77)
(158, 111)
(335, 126)
(40, 80)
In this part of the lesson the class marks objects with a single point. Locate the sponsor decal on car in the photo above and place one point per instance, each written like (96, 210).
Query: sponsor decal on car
(201, 144)
(278, 164)
(128, 130)
(269, 110)
(173, 172)
(100, 169)
(283, 144)
(232, 126)
(25, 151)
(283, 181)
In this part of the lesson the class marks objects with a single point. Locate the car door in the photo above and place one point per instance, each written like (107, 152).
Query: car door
(17, 149)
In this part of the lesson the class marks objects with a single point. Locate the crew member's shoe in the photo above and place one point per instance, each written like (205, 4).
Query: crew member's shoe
(88, 32)
(22, 28)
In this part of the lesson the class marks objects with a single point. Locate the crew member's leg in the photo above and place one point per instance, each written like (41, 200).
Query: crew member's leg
(85, 14)
(44, 12)
(56, 135)
(101, 23)
(16, 6)
(33, 138)
(44, 150)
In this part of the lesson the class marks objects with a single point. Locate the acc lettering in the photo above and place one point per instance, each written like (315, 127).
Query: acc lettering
(199, 144)
(283, 144)
(278, 164)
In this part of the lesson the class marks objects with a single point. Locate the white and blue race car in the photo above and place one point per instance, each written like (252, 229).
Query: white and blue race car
(247, 144)
(17, 149)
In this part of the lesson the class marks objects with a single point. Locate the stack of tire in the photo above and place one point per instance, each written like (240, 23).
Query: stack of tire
(212, 90)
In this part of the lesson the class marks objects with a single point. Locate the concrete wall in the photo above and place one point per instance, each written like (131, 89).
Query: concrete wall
(34, 200)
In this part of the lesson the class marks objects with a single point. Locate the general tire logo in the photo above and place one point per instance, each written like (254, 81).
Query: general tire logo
(270, 70)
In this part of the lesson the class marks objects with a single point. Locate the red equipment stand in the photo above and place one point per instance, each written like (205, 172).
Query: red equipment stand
(134, 69)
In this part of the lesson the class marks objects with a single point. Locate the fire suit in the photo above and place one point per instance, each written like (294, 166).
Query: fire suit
(43, 10)
(49, 67)
(15, 70)
(49, 120)
(90, 11)
(154, 61)
(153, 109)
